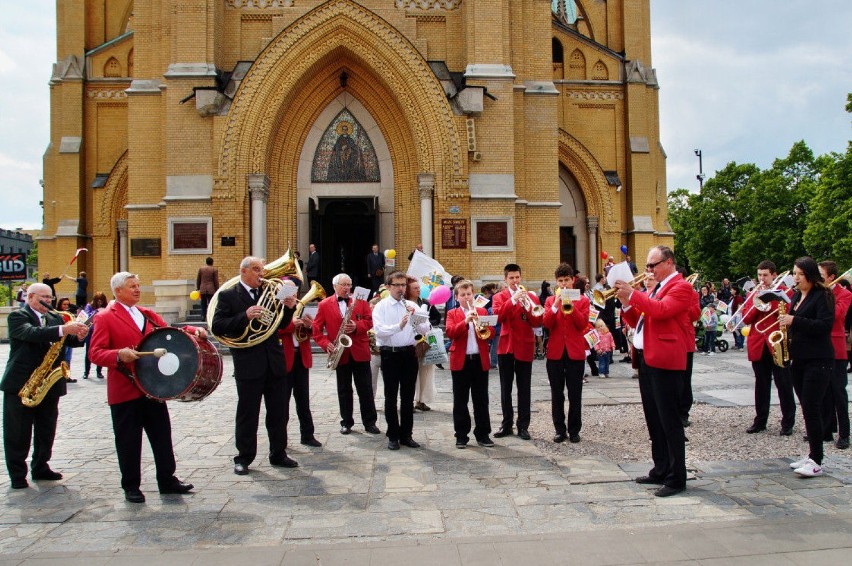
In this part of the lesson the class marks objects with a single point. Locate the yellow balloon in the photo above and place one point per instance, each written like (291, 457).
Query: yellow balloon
(195, 295)
(384, 294)
(391, 254)
(745, 331)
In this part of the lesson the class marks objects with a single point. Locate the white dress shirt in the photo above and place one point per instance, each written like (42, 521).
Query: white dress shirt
(386, 317)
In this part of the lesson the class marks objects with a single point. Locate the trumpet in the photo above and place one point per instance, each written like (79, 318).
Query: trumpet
(529, 306)
(599, 298)
(567, 305)
(481, 330)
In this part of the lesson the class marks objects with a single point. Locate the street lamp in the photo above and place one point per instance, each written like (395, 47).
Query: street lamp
(700, 175)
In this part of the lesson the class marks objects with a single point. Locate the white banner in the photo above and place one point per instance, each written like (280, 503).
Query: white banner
(428, 271)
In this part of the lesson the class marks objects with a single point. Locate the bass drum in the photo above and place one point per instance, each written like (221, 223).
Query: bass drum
(190, 370)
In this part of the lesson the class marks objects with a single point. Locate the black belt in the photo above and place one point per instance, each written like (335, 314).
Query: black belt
(471, 356)
(396, 348)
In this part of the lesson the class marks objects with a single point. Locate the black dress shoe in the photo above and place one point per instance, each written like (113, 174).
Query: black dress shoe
(667, 491)
(575, 438)
(134, 496)
(285, 462)
(345, 429)
(754, 428)
(501, 432)
(410, 442)
(561, 437)
(393, 444)
(311, 441)
(648, 480)
(72, 380)
(461, 444)
(47, 474)
(177, 487)
(522, 434)
(20, 483)
(485, 442)
(372, 429)
(240, 469)
(786, 432)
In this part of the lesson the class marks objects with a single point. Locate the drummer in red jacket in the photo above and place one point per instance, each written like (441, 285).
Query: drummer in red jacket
(566, 354)
(660, 318)
(470, 361)
(119, 328)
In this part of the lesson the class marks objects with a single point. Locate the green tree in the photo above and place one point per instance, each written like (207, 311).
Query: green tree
(828, 234)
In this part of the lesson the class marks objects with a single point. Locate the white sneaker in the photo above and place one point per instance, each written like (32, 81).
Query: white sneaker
(810, 470)
(799, 463)
(712, 354)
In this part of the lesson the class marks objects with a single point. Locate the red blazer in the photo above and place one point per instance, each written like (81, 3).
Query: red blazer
(115, 329)
(286, 336)
(758, 340)
(566, 331)
(457, 332)
(328, 319)
(666, 318)
(516, 335)
(842, 299)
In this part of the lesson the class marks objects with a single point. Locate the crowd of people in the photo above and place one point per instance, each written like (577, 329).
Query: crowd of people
(652, 322)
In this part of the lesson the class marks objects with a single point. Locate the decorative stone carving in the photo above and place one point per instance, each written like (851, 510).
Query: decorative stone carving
(637, 72)
(429, 4)
(595, 95)
(70, 68)
(426, 185)
(259, 4)
(106, 93)
(258, 184)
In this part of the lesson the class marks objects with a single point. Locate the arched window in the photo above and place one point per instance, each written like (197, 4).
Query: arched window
(577, 66)
(112, 68)
(600, 72)
(558, 60)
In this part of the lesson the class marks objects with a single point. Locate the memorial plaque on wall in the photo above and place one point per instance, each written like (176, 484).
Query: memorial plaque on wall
(453, 233)
(492, 233)
(145, 247)
(190, 235)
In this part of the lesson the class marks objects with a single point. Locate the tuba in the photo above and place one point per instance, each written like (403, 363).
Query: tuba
(316, 293)
(263, 327)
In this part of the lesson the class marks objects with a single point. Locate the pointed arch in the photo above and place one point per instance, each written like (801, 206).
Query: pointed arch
(580, 162)
(577, 66)
(113, 198)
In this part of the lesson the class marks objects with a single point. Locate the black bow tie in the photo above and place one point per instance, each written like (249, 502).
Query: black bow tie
(343, 299)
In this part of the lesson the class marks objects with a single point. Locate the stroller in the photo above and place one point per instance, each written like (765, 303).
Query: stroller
(720, 343)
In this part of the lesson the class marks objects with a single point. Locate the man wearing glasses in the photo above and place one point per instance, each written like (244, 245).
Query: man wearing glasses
(395, 336)
(32, 329)
(661, 342)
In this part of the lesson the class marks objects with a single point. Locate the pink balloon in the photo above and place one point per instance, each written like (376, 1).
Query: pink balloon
(439, 295)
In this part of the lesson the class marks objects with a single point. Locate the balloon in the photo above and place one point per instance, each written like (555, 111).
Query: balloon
(385, 293)
(424, 292)
(390, 254)
(745, 330)
(439, 295)
(604, 255)
(624, 249)
(195, 295)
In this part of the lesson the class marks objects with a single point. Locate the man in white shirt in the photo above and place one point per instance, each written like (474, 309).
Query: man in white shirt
(396, 336)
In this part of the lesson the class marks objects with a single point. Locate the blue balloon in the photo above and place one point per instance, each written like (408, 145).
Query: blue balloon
(424, 292)
(624, 249)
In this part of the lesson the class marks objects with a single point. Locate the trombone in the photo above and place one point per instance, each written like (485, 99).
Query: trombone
(599, 298)
(845, 275)
(753, 302)
(693, 279)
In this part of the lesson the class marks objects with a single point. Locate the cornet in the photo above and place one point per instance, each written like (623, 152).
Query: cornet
(481, 330)
(529, 306)
(567, 305)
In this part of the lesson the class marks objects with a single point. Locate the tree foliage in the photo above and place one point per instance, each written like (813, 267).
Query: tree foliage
(802, 205)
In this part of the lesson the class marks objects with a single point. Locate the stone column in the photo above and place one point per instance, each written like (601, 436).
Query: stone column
(426, 186)
(258, 184)
(592, 229)
(122, 245)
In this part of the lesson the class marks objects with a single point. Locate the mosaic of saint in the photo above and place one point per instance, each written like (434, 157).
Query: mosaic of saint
(345, 153)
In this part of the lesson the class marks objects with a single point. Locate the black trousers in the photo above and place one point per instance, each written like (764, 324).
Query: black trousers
(811, 379)
(399, 372)
(360, 373)
(300, 378)
(24, 425)
(566, 374)
(686, 398)
(471, 381)
(764, 373)
(129, 419)
(836, 403)
(275, 392)
(205, 301)
(510, 370)
(660, 390)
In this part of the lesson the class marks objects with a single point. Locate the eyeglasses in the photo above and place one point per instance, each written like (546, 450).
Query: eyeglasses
(398, 284)
(650, 266)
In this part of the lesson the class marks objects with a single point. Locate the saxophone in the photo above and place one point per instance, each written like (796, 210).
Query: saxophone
(342, 341)
(779, 344)
(45, 375)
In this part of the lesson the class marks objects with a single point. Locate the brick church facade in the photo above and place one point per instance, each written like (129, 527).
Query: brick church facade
(488, 130)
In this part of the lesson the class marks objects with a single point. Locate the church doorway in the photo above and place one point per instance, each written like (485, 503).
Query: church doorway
(343, 229)
(568, 247)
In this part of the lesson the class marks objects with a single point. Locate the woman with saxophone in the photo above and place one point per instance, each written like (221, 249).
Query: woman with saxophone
(32, 330)
(808, 336)
(470, 361)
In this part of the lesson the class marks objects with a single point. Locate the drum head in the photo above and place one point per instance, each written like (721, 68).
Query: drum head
(168, 376)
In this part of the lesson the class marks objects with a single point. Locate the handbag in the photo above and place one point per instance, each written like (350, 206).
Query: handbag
(436, 350)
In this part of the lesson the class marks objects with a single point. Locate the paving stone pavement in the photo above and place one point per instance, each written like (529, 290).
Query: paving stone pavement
(354, 501)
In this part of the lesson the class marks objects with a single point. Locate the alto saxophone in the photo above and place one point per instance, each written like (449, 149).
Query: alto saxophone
(779, 343)
(342, 341)
(45, 375)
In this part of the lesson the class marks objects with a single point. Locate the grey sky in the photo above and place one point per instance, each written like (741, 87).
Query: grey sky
(742, 80)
